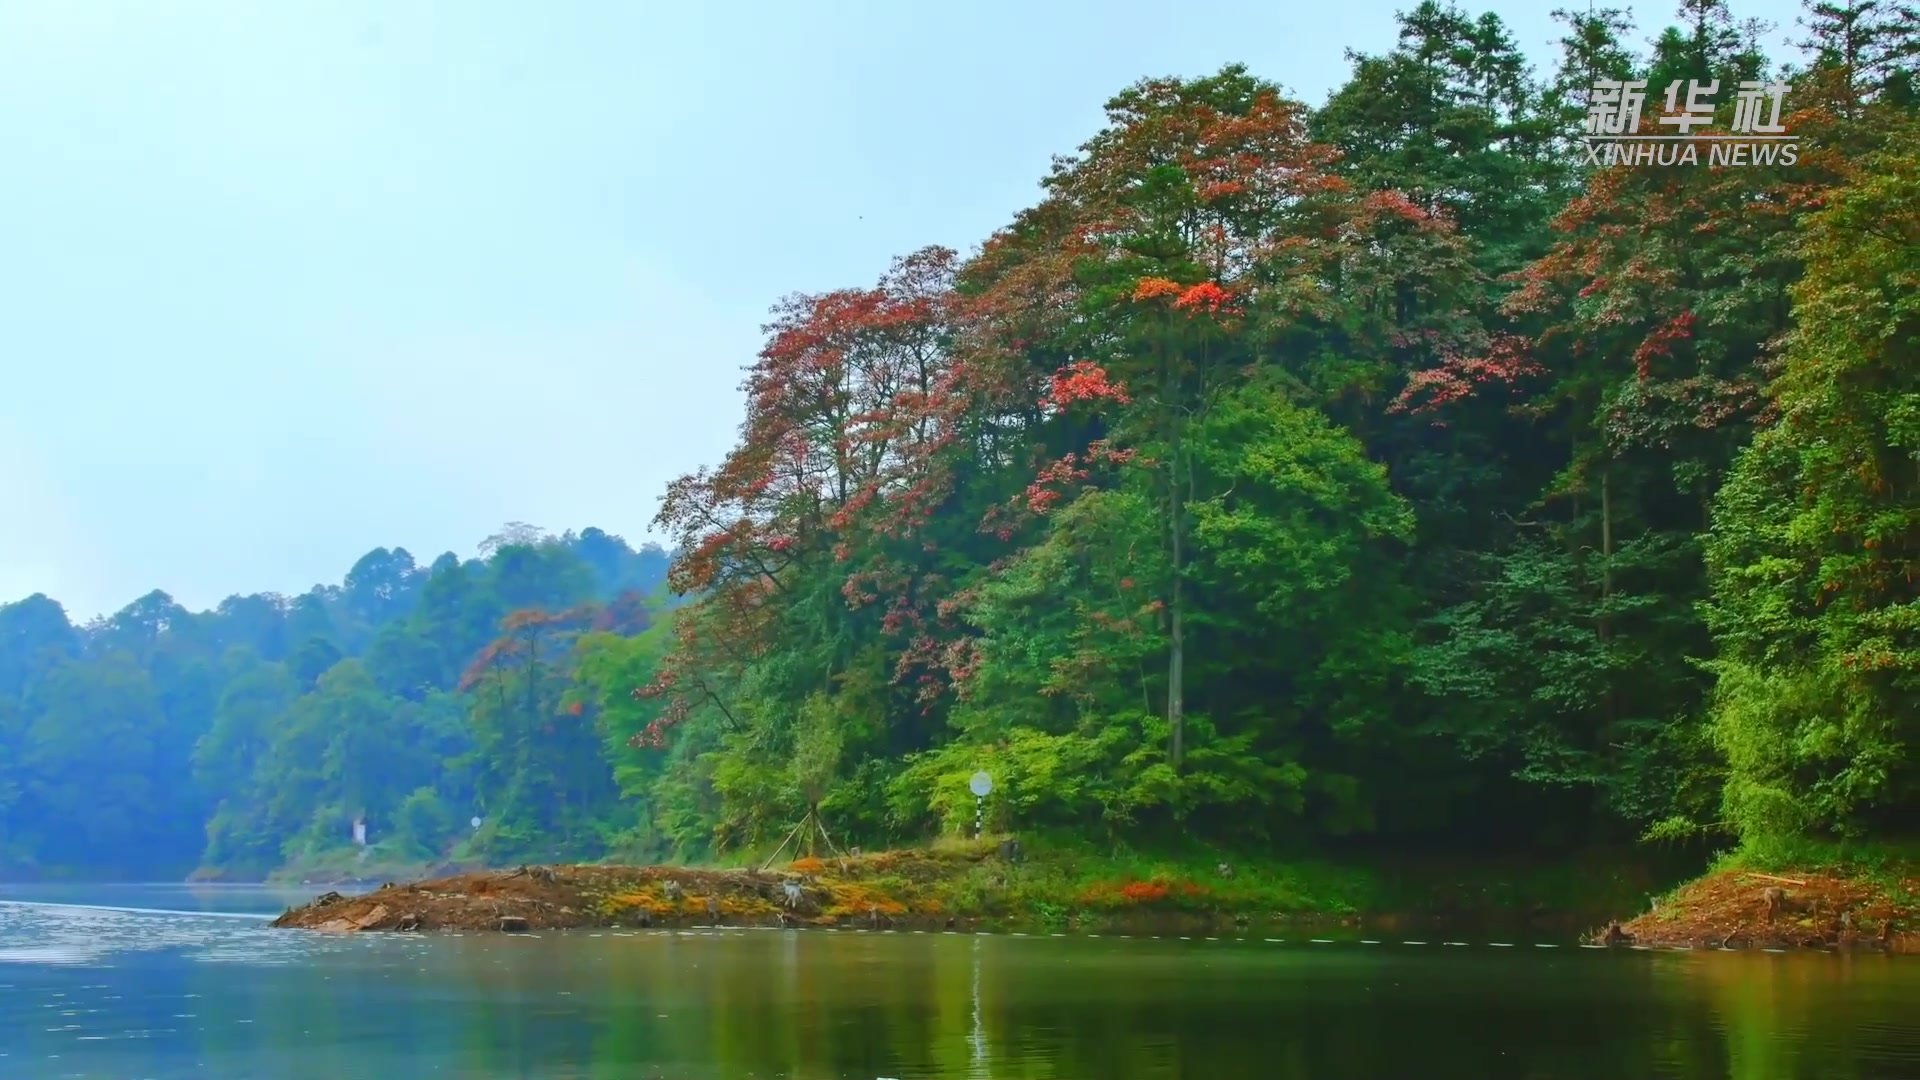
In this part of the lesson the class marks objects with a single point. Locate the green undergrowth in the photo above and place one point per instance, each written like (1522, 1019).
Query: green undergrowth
(1890, 864)
(1057, 880)
(380, 863)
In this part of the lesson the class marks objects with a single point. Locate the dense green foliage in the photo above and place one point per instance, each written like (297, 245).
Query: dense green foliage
(1384, 472)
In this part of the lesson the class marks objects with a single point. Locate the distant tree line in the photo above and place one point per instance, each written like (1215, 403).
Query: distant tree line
(250, 737)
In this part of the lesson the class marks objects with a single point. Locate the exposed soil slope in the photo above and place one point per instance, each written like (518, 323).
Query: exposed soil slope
(985, 883)
(883, 889)
(1825, 909)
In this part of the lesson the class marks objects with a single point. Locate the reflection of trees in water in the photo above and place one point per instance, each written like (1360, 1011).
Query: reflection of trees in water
(1765, 1003)
(809, 1005)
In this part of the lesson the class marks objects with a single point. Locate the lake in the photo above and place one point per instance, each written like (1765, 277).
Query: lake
(178, 981)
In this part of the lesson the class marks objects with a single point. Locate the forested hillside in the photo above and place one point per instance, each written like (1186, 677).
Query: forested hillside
(1378, 474)
(250, 737)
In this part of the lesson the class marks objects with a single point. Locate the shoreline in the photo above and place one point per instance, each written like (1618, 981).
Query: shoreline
(984, 886)
(1825, 909)
(977, 887)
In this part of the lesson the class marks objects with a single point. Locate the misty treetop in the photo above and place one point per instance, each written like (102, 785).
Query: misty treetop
(251, 736)
(1371, 473)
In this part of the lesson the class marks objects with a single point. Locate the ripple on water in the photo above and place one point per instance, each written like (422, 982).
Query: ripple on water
(45, 954)
(69, 935)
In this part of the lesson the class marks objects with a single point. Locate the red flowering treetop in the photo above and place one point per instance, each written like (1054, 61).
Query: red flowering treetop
(1205, 298)
(1666, 291)
(849, 392)
(1507, 363)
(1153, 288)
(1226, 162)
(524, 635)
(1083, 381)
(858, 407)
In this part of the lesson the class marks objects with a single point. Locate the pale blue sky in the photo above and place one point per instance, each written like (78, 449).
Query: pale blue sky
(283, 282)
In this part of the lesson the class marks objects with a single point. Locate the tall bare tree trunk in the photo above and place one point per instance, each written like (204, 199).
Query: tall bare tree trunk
(1176, 629)
(1606, 551)
(1606, 595)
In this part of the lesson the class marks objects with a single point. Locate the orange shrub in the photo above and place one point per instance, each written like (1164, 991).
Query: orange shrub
(1128, 893)
(1143, 892)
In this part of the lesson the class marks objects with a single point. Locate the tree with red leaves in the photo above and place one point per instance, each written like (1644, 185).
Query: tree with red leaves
(1205, 228)
(819, 528)
(1252, 479)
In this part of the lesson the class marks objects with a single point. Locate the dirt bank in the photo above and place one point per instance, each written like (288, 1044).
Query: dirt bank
(890, 889)
(1744, 909)
(991, 884)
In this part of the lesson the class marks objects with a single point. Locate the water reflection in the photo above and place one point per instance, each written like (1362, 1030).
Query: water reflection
(978, 1040)
(90, 993)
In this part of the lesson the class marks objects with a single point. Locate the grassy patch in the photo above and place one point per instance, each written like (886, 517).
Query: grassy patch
(346, 863)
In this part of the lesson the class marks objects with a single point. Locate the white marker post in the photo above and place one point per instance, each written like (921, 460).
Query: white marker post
(982, 786)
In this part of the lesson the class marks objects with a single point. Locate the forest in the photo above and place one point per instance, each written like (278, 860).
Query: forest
(242, 740)
(1381, 475)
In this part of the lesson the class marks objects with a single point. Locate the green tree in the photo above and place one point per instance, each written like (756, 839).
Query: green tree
(1817, 533)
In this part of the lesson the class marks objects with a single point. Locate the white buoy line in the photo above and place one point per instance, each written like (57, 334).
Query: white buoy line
(720, 930)
(709, 931)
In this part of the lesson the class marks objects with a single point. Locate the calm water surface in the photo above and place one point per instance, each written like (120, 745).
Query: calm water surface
(192, 983)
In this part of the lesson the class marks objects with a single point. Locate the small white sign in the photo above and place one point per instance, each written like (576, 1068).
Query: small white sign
(981, 785)
(475, 823)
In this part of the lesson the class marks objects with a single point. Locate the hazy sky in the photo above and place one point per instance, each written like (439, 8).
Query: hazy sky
(281, 283)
